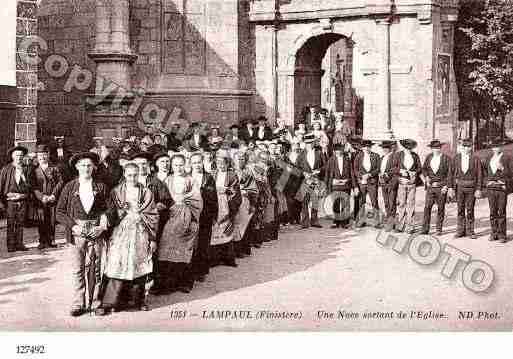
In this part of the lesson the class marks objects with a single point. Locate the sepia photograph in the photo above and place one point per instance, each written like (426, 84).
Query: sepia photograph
(256, 166)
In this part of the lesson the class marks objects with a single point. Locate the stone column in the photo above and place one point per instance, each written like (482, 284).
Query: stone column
(26, 76)
(384, 112)
(114, 59)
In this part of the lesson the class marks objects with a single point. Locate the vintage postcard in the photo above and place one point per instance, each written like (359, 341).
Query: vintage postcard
(256, 165)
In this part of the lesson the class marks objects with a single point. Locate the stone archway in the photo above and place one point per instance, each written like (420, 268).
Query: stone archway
(398, 49)
(300, 63)
(308, 72)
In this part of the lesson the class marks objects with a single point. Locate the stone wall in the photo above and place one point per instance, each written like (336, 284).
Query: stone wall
(8, 100)
(197, 58)
(419, 34)
(68, 29)
(26, 75)
(8, 90)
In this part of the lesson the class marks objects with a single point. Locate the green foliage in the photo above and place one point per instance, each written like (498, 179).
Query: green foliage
(484, 53)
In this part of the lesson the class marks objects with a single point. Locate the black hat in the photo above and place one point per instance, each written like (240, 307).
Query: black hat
(234, 126)
(497, 142)
(42, 148)
(467, 142)
(338, 147)
(124, 156)
(195, 124)
(387, 144)
(309, 138)
(366, 143)
(285, 145)
(17, 148)
(81, 155)
(159, 155)
(254, 122)
(262, 119)
(146, 155)
(408, 143)
(435, 144)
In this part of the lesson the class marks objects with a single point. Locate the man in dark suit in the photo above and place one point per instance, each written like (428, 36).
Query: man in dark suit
(248, 132)
(60, 157)
(48, 183)
(388, 183)
(196, 139)
(293, 183)
(407, 169)
(108, 171)
(312, 115)
(233, 137)
(86, 209)
(497, 180)
(437, 173)
(263, 132)
(366, 170)
(173, 142)
(340, 181)
(467, 182)
(311, 164)
(16, 184)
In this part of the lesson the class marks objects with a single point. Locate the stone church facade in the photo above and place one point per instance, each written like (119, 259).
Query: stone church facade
(107, 66)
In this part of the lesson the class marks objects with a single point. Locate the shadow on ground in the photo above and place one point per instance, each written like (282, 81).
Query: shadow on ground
(21, 266)
(292, 253)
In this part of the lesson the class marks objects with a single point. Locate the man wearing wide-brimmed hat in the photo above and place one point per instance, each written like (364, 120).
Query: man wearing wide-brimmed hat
(366, 171)
(248, 132)
(467, 182)
(310, 162)
(15, 191)
(48, 183)
(85, 208)
(407, 169)
(388, 183)
(60, 157)
(497, 180)
(263, 132)
(233, 136)
(340, 179)
(437, 173)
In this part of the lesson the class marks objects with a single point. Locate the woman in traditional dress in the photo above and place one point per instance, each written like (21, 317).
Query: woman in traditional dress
(206, 184)
(163, 202)
(180, 233)
(280, 159)
(130, 250)
(224, 232)
(249, 192)
(215, 139)
(266, 200)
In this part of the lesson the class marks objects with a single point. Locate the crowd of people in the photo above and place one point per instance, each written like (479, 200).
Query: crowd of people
(155, 214)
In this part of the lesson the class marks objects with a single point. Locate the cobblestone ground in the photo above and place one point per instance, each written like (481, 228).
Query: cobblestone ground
(304, 271)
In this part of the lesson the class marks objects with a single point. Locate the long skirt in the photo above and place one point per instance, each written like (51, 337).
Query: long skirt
(116, 291)
(173, 275)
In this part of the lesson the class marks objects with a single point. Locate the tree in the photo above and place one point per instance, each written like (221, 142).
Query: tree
(484, 58)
